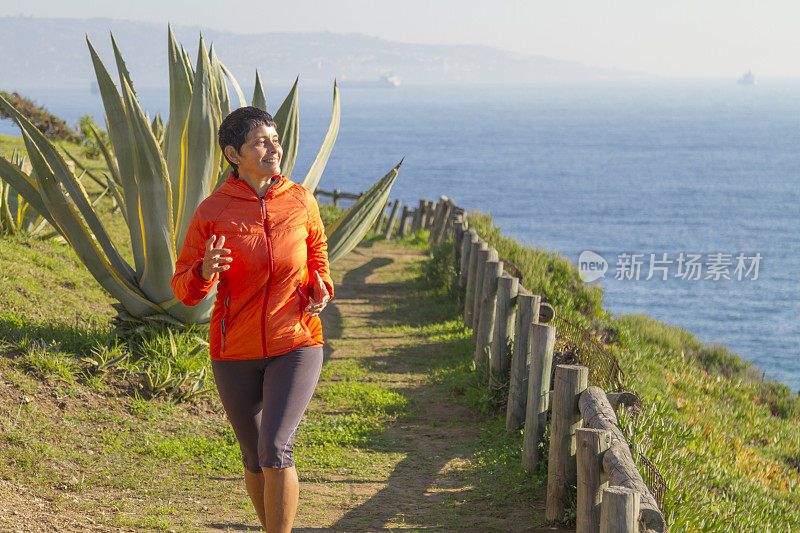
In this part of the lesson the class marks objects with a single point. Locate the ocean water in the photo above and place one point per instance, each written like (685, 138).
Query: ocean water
(703, 169)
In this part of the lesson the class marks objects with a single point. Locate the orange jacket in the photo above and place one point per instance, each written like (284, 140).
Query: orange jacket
(276, 243)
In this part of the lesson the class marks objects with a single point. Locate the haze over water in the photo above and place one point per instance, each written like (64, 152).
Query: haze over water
(667, 167)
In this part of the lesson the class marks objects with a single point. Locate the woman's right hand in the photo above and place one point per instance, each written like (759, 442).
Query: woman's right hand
(216, 258)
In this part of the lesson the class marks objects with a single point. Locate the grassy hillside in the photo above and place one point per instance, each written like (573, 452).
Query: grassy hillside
(726, 441)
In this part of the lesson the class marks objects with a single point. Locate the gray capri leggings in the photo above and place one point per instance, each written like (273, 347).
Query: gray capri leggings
(265, 399)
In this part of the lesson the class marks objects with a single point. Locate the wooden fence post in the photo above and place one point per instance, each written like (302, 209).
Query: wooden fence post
(390, 224)
(430, 211)
(570, 382)
(416, 224)
(590, 446)
(527, 313)
(543, 340)
(440, 220)
(402, 231)
(485, 311)
(335, 201)
(619, 512)
(490, 254)
(472, 280)
(470, 237)
(503, 335)
(459, 228)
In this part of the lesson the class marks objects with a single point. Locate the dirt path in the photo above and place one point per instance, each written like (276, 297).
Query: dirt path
(426, 487)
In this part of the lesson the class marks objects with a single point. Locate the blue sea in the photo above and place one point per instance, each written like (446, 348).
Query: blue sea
(698, 180)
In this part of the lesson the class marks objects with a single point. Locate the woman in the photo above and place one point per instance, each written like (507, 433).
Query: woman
(261, 238)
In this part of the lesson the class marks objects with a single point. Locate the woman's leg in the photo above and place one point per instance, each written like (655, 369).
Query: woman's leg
(281, 493)
(289, 383)
(255, 489)
(240, 389)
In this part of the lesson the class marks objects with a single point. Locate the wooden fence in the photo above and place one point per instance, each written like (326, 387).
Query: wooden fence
(514, 347)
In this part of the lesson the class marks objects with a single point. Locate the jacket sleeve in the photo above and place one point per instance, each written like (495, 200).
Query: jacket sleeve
(317, 246)
(188, 283)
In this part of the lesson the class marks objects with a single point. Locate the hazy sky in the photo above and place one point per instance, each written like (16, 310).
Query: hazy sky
(666, 37)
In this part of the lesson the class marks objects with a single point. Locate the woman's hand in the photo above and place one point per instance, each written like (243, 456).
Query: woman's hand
(319, 298)
(216, 258)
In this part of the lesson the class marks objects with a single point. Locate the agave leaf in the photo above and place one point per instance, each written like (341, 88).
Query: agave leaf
(111, 161)
(187, 64)
(124, 75)
(259, 98)
(236, 87)
(180, 96)
(315, 172)
(157, 127)
(26, 187)
(222, 100)
(198, 146)
(7, 224)
(83, 169)
(155, 203)
(347, 232)
(70, 224)
(286, 118)
(58, 166)
(116, 193)
(123, 150)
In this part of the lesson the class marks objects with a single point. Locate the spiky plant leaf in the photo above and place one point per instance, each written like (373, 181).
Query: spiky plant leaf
(200, 156)
(286, 118)
(350, 228)
(119, 134)
(259, 98)
(315, 172)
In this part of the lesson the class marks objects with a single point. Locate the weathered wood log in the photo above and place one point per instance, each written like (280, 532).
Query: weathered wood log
(470, 237)
(392, 218)
(436, 220)
(546, 313)
(591, 444)
(503, 334)
(485, 311)
(490, 254)
(619, 511)
(402, 230)
(472, 280)
(336, 194)
(598, 413)
(570, 382)
(543, 340)
(628, 399)
(527, 309)
(622, 472)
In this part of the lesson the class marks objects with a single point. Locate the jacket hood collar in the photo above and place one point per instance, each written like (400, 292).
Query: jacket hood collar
(233, 186)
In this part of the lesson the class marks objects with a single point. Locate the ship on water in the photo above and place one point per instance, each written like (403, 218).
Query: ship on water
(747, 79)
(386, 81)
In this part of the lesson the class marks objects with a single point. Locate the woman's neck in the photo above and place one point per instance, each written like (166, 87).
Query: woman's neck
(259, 184)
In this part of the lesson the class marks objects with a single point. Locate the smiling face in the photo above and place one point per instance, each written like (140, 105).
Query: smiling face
(260, 155)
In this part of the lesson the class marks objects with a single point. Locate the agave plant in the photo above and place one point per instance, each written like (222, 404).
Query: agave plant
(17, 215)
(159, 175)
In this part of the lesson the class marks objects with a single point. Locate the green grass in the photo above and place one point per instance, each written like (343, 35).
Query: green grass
(726, 441)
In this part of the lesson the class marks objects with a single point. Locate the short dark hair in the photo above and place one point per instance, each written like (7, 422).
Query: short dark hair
(234, 129)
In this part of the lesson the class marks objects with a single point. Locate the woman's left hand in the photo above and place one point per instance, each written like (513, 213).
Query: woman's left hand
(319, 298)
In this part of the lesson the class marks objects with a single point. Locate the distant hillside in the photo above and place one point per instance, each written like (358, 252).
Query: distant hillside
(39, 52)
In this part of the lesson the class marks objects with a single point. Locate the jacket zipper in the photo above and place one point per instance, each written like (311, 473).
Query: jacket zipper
(224, 317)
(269, 280)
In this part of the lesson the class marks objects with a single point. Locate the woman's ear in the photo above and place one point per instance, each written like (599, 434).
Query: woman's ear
(231, 153)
